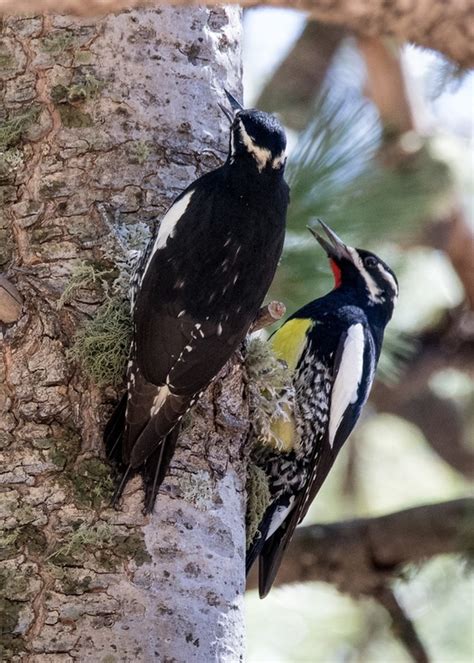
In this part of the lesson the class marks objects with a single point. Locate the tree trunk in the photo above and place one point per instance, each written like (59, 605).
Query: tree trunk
(122, 111)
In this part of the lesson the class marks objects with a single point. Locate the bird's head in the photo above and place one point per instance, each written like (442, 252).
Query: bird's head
(255, 136)
(361, 270)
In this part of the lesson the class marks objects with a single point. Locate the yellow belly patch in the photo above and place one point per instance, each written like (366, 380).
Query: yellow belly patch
(283, 431)
(288, 342)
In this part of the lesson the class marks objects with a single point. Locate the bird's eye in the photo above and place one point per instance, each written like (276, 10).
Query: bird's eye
(370, 261)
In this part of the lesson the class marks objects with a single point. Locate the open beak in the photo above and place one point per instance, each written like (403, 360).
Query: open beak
(335, 247)
(234, 104)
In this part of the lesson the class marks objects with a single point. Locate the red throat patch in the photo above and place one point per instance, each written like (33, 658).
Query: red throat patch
(337, 273)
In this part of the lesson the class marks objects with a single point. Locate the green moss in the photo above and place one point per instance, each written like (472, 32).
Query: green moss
(14, 540)
(10, 161)
(101, 345)
(84, 540)
(74, 118)
(9, 611)
(270, 391)
(13, 128)
(47, 190)
(63, 451)
(84, 57)
(85, 275)
(59, 457)
(139, 151)
(6, 61)
(86, 89)
(108, 547)
(131, 547)
(83, 90)
(196, 488)
(258, 500)
(71, 584)
(8, 539)
(57, 42)
(12, 582)
(92, 483)
(10, 645)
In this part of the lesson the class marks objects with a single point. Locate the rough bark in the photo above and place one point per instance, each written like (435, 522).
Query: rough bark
(445, 26)
(122, 111)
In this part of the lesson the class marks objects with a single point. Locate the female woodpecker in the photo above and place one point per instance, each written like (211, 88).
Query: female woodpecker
(332, 346)
(197, 290)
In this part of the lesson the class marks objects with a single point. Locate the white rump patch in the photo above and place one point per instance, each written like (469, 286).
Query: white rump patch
(279, 516)
(168, 225)
(346, 385)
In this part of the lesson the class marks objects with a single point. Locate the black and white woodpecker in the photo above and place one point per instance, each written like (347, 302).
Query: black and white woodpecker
(331, 346)
(197, 290)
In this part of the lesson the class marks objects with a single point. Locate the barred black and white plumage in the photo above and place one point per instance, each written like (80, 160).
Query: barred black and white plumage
(197, 290)
(332, 346)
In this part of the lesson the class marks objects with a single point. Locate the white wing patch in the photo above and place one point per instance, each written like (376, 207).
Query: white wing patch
(279, 516)
(167, 226)
(346, 384)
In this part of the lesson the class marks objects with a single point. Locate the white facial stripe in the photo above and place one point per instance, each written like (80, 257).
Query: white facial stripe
(279, 161)
(389, 278)
(346, 385)
(372, 287)
(262, 155)
(168, 225)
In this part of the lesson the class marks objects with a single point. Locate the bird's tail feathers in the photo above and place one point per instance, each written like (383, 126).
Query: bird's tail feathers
(259, 539)
(155, 467)
(272, 552)
(113, 432)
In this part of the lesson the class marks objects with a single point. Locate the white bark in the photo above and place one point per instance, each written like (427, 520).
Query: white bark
(83, 582)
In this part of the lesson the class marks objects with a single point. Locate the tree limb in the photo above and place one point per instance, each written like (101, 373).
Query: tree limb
(296, 81)
(268, 315)
(402, 626)
(444, 26)
(454, 236)
(450, 343)
(359, 556)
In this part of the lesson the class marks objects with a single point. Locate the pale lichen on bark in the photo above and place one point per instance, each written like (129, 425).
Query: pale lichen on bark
(120, 110)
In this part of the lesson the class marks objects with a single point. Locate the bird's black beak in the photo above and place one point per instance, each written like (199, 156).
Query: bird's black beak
(234, 104)
(335, 247)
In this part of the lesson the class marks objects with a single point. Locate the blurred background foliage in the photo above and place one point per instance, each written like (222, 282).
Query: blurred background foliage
(381, 148)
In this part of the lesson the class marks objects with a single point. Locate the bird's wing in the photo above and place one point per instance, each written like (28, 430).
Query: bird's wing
(158, 411)
(176, 353)
(346, 401)
(350, 366)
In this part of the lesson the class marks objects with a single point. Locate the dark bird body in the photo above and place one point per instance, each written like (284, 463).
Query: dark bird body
(332, 346)
(197, 291)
